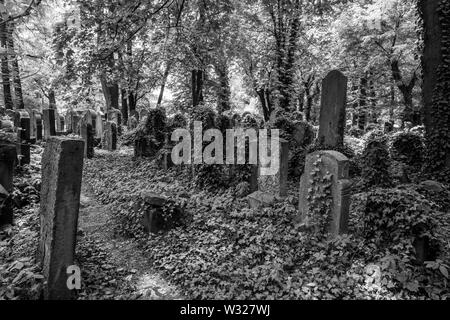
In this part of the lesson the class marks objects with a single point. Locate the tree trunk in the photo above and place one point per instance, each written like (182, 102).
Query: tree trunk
(436, 94)
(52, 99)
(362, 112)
(264, 98)
(7, 96)
(124, 97)
(197, 87)
(163, 84)
(223, 91)
(15, 69)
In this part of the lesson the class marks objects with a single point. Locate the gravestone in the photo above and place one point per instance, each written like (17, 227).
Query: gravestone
(68, 121)
(332, 111)
(8, 156)
(76, 118)
(33, 128)
(61, 123)
(326, 177)
(87, 135)
(116, 117)
(57, 121)
(109, 140)
(24, 137)
(259, 199)
(49, 123)
(39, 127)
(62, 167)
(277, 184)
(99, 126)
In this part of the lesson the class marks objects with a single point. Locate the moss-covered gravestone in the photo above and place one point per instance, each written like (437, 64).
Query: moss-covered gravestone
(325, 192)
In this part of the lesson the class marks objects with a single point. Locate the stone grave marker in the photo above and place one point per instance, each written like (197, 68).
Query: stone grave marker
(24, 136)
(8, 156)
(332, 111)
(62, 167)
(39, 126)
(87, 135)
(49, 123)
(109, 140)
(277, 184)
(326, 178)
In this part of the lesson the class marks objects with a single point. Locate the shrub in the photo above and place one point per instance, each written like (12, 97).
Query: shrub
(395, 217)
(375, 163)
(409, 148)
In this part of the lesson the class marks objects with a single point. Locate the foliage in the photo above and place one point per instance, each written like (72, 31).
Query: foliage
(375, 163)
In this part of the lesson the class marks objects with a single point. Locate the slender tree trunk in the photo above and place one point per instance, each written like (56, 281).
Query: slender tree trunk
(197, 87)
(52, 99)
(124, 97)
(163, 84)
(15, 69)
(264, 98)
(362, 112)
(7, 96)
(224, 91)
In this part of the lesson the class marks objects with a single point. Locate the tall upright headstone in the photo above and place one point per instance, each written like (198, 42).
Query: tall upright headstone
(99, 126)
(8, 156)
(24, 136)
(62, 167)
(332, 111)
(88, 137)
(39, 127)
(325, 186)
(109, 140)
(49, 123)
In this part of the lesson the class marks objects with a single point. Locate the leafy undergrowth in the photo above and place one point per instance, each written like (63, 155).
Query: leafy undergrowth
(228, 251)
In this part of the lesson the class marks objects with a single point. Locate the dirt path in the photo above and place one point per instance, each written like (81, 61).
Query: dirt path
(124, 253)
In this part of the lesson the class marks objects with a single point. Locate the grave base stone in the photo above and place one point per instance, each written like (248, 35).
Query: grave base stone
(260, 199)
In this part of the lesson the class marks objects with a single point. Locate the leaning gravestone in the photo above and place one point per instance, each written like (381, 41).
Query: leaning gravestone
(109, 140)
(325, 186)
(332, 111)
(24, 136)
(277, 184)
(99, 126)
(62, 167)
(8, 155)
(49, 123)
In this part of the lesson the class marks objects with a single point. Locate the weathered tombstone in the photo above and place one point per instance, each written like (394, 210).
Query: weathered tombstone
(62, 167)
(49, 123)
(277, 184)
(332, 112)
(109, 140)
(115, 116)
(33, 124)
(259, 199)
(57, 121)
(68, 121)
(153, 219)
(61, 123)
(8, 156)
(87, 135)
(99, 126)
(39, 129)
(326, 180)
(76, 118)
(24, 136)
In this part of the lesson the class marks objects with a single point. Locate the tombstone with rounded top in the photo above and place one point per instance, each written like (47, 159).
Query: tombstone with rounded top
(332, 111)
